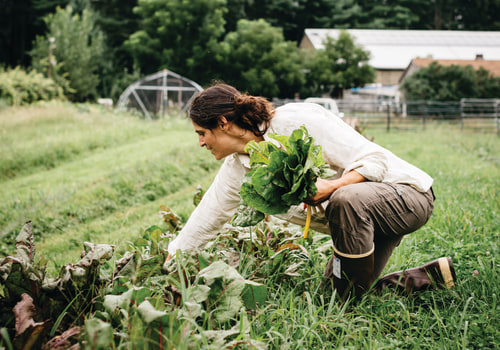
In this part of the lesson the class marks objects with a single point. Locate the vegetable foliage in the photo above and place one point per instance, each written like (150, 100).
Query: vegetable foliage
(280, 176)
(134, 300)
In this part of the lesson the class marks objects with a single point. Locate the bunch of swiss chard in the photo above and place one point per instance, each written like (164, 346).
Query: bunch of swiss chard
(280, 176)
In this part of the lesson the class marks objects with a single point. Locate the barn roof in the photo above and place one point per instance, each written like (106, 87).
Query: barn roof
(394, 49)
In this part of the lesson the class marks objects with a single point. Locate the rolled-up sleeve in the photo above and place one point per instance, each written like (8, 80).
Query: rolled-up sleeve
(372, 165)
(217, 206)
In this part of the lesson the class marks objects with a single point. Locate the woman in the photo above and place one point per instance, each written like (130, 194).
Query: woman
(375, 199)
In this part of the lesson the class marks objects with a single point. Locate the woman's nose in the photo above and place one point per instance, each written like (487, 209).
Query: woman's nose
(202, 141)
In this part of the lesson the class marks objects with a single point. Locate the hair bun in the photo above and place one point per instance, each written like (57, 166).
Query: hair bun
(243, 102)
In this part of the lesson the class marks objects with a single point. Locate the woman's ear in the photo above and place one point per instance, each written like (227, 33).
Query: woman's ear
(223, 122)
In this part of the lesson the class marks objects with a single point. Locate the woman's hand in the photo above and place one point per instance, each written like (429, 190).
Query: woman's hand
(327, 187)
(325, 190)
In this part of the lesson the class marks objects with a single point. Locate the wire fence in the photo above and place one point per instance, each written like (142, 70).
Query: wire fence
(479, 115)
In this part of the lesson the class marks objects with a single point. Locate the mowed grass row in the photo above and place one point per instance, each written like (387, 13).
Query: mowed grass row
(112, 192)
(105, 177)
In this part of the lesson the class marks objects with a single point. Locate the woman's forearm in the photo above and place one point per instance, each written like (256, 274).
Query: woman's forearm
(327, 187)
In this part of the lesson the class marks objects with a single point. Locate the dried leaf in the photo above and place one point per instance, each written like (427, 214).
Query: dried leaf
(25, 243)
(24, 312)
(96, 252)
(63, 341)
(292, 246)
(28, 332)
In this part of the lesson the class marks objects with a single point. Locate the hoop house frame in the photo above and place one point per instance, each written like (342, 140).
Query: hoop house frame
(159, 93)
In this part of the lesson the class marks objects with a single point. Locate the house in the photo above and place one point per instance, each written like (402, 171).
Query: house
(493, 66)
(392, 50)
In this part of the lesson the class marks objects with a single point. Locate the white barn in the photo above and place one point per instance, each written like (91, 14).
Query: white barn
(392, 50)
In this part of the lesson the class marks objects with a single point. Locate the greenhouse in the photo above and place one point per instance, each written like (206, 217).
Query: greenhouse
(160, 94)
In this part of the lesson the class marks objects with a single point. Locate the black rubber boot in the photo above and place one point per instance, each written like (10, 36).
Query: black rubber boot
(436, 274)
(352, 276)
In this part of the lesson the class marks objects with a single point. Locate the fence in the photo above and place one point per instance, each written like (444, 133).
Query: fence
(482, 115)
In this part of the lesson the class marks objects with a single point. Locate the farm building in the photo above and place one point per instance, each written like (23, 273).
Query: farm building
(392, 50)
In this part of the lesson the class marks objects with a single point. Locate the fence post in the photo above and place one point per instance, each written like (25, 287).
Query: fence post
(424, 117)
(388, 116)
(462, 104)
(497, 111)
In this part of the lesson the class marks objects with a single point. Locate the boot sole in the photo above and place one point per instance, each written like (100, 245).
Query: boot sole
(447, 272)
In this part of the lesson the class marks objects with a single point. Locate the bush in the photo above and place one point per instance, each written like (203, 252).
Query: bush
(450, 83)
(18, 87)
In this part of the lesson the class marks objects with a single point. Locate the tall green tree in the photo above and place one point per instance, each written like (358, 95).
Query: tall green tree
(20, 22)
(293, 16)
(450, 83)
(478, 14)
(71, 50)
(260, 61)
(236, 10)
(117, 21)
(373, 14)
(347, 14)
(178, 35)
(385, 14)
(16, 18)
(340, 65)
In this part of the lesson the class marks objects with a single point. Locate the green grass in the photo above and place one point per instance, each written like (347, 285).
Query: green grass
(81, 173)
(86, 174)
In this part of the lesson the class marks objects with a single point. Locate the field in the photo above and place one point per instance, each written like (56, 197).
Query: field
(81, 173)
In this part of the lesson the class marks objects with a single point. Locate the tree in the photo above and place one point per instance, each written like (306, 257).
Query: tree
(389, 14)
(450, 83)
(478, 14)
(75, 47)
(260, 61)
(340, 65)
(178, 35)
(117, 21)
(293, 16)
(347, 14)
(20, 22)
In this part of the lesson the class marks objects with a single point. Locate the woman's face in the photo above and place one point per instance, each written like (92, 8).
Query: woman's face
(217, 140)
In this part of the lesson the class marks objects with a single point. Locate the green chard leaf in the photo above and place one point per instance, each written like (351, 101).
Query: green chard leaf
(280, 177)
(248, 216)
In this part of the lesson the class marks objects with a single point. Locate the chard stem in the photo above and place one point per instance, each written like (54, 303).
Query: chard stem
(308, 220)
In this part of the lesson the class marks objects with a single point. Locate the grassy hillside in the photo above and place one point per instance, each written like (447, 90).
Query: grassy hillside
(82, 173)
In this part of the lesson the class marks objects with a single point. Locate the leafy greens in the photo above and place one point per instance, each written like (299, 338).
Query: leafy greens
(279, 177)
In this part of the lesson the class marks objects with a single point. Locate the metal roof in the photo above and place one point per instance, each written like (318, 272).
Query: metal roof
(394, 49)
(156, 93)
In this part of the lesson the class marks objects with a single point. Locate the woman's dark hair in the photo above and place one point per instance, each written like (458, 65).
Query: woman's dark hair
(248, 112)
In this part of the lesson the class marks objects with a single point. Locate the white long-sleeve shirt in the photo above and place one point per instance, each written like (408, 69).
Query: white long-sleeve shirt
(344, 149)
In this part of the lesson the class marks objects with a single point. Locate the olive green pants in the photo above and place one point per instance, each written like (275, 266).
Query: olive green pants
(372, 217)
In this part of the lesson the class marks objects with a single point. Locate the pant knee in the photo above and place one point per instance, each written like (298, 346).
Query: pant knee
(351, 229)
